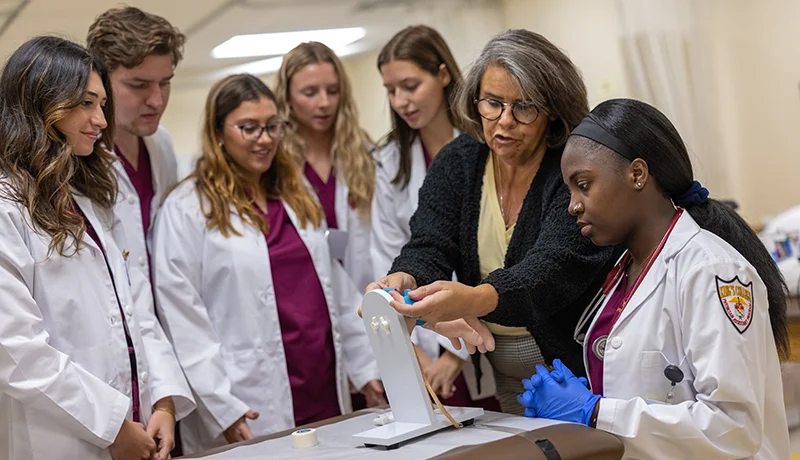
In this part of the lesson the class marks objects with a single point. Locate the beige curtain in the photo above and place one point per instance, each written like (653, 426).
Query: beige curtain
(668, 58)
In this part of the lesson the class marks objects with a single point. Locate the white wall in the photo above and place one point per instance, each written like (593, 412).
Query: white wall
(465, 24)
(757, 47)
(587, 30)
(755, 87)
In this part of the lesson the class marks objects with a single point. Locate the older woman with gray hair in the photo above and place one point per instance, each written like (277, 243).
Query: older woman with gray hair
(493, 208)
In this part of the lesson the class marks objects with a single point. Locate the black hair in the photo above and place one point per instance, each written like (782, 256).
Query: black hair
(648, 133)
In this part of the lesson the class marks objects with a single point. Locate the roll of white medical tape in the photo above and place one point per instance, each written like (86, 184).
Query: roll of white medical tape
(305, 438)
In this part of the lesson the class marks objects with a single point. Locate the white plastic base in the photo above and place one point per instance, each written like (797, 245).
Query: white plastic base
(390, 436)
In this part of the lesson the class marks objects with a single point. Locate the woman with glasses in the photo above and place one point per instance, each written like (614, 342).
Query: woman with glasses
(262, 318)
(492, 208)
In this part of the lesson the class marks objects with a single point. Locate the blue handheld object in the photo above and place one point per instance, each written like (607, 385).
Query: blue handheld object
(408, 301)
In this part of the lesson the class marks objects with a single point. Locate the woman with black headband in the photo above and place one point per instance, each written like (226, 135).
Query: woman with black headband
(684, 350)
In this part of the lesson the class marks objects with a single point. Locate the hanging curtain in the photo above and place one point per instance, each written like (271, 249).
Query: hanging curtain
(667, 53)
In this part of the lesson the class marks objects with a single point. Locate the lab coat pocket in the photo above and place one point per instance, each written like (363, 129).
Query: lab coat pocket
(654, 384)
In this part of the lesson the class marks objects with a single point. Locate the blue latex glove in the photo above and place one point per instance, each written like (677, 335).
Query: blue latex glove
(559, 397)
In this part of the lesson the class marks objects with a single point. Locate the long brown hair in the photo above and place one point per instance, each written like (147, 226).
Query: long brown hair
(351, 151)
(427, 49)
(41, 83)
(220, 180)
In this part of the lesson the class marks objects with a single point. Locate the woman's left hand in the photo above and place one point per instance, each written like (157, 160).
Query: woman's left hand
(374, 394)
(447, 301)
(442, 373)
(161, 427)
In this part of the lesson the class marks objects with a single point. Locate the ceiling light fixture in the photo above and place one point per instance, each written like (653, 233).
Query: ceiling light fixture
(276, 44)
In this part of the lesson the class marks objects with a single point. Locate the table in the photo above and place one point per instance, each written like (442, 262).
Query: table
(493, 436)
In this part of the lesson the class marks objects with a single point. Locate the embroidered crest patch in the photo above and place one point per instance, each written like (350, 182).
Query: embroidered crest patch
(737, 301)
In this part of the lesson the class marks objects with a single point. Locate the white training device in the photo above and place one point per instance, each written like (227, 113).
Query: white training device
(402, 378)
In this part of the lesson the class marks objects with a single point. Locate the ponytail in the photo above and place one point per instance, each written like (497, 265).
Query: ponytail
(634, 130)
(722, 220)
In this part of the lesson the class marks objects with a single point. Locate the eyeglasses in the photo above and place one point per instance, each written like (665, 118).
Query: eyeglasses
(492, 109)
(252, 133)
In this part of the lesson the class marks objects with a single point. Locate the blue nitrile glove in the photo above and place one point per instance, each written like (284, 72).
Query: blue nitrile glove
(408, 301)
(568, 400)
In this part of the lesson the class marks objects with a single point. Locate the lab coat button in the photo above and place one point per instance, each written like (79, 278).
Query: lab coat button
(142, 260)
(616, 342)
(129, 310)
(143, 377)
(326, 281)
(131, 200)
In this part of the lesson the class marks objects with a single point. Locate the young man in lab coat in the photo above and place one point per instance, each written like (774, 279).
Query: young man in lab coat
(141, 51)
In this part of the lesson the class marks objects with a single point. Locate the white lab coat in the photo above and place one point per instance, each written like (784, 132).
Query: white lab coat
(216, 299)
(730, 402)
(392, 208)
(786, 224)
(357, 262)
(169, 380)
(65, 373)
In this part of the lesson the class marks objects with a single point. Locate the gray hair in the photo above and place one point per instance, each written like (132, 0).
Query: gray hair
(544, 75)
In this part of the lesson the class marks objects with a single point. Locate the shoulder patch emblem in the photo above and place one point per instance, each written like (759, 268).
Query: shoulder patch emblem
(737, 301)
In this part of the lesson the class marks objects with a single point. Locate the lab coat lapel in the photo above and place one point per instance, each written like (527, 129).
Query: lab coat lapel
(86, 206)
(417, 173)
(155, 162)
(684, 230)
(340, 204)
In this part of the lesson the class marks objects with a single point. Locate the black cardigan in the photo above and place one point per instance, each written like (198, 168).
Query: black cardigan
(551, 272)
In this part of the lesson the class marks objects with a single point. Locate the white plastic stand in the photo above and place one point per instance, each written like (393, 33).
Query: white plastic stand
(399, 369)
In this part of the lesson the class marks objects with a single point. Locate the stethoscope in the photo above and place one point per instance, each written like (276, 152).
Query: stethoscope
(671, 372)
(613, 278)
(608, 285)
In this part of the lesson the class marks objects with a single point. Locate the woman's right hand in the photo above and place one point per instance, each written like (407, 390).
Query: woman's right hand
(132, 443)
(240, 431)
(399, 280)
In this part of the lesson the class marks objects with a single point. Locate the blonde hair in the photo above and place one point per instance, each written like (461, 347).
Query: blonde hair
(220, 180)
(351, 150)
